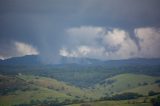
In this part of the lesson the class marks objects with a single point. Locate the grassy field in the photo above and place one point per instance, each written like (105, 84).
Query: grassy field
(142, 101)
(58, 86)
(24, 89)
(127, 83)
(30, 92)
(145, 89)
(41, 94)
(112, 103)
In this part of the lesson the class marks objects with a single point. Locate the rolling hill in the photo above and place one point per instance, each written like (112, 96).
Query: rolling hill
(19, 91)
(75, 80)
(82, 75)
(39, 89)
(36, 60)
(127, 83)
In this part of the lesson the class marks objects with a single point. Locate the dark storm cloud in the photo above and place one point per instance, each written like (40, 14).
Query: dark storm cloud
(42, 23)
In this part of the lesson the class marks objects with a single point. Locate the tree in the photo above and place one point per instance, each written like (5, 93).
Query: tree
(85, 104)
(152, 93)
(123, 96)
(156, 101)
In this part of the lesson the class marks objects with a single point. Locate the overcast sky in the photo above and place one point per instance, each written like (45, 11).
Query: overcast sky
(101, 29)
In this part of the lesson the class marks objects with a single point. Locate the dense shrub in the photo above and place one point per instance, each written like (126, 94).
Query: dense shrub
(124, 96)
(85, 104)
(156, 101)
(157, 81)
(152, 93)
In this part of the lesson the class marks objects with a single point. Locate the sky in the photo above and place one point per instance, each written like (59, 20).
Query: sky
(100, 29)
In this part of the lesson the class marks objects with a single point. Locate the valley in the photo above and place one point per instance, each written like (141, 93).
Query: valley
(113, 83)
(31, 89)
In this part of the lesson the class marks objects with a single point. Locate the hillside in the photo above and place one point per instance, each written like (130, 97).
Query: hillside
(112, 103)
(19, 91)
(38, 89)
(126, 83)
(82, 75)
(55, 85)
(72, 82)
(36, 60)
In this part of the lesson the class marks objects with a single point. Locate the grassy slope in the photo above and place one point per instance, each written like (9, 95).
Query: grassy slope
(145, 89)
(51, 88)
(112, 103)
(33, 92)
(45, 88)
(132, 102)
(56, 86)
(25, 97)
(127, 82)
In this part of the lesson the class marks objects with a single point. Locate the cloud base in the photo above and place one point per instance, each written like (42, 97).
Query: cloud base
(112, 43)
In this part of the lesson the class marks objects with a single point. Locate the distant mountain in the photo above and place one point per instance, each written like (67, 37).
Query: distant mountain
(81, 72)
(82, 61)
(35, 60)
(133, 61)
(24, 60)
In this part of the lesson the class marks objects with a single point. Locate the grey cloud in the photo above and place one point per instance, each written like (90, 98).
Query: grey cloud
(115, 43)
(42, 23)
(15, 49)
(149, 38)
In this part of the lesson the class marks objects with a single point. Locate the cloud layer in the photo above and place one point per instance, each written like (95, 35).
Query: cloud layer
(149, 41)
(42, 24)
(25, 49)
(97, 42)
(112, 43)
(18, 49)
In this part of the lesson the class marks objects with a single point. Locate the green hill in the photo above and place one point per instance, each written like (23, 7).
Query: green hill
(30, 89)
(127, 83)
(145, 89)
(112, 103)
(58, 86)
(25, 92)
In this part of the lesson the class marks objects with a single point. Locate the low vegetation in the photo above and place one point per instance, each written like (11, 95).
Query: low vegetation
(40, 90)
(113, 84)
